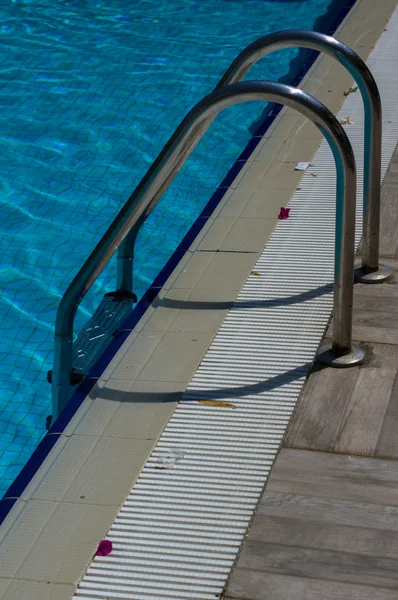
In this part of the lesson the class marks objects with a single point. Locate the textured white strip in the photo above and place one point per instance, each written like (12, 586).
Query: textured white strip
(179, 531)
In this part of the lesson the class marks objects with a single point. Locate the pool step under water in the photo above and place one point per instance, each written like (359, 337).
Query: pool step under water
(100, 330)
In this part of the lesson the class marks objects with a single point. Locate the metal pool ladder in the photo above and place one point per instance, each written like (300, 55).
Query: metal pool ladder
(123, 231)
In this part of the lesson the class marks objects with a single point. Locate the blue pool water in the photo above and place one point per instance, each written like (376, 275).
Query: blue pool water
(90, 91)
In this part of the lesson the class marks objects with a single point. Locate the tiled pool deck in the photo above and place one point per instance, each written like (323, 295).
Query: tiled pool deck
(51, 533)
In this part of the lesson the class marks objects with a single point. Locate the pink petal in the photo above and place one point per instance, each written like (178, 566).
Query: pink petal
(104, 548)
(284, 214)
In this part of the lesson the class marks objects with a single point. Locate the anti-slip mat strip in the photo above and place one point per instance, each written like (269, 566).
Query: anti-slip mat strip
(179, 531)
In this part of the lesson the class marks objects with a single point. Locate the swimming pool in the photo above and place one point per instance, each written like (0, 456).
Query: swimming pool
(89, 96)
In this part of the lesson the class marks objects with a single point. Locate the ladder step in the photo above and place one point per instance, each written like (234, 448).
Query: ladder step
(97, 334)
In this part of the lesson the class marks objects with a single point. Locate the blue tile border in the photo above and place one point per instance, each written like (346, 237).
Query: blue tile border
(6, 505)
(56, 430)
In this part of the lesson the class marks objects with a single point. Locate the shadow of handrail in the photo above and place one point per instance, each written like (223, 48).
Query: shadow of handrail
(247, 390)
(243, 304)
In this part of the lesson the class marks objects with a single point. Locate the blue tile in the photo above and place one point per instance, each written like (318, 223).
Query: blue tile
(213, 202)
(175, 259)
(5, 507)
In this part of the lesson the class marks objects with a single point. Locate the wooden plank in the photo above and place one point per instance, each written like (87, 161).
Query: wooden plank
(388, 289)
(322, 564)
(352, 478)
(376, 318)
(393, 167)
(387, 444)
(386, 304)
(367, 405)
(375, 325)
(344, 411)
(318, 418)
(366, 296)
(376, 335)
(304, 531)
(246, 584)
(333, 511)
(389, 215)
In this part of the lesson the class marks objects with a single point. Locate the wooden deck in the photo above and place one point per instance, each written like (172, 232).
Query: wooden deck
(327, 526)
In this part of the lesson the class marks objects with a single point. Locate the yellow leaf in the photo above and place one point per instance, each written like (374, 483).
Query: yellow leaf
(217, 403)
(255, 273)
(351, 90)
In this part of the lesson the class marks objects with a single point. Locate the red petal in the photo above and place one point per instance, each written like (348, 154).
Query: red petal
(104, 548)
(284, 214)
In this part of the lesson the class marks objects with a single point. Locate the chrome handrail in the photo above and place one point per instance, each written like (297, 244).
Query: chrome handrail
(158, 178)
(370, 270)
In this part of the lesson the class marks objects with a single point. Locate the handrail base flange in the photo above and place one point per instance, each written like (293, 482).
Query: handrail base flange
(76, 376)
(382, 274)
(327, 356)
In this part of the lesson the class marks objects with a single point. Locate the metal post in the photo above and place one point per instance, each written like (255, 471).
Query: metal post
(370, 271)
(61, 372)
(125, 260)
(160, 175)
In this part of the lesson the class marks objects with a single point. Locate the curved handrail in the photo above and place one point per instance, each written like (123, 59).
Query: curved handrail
(370, 270)
(159, 177)
(373, 123)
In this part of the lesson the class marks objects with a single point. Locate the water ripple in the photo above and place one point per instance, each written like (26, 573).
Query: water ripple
(90, 93)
